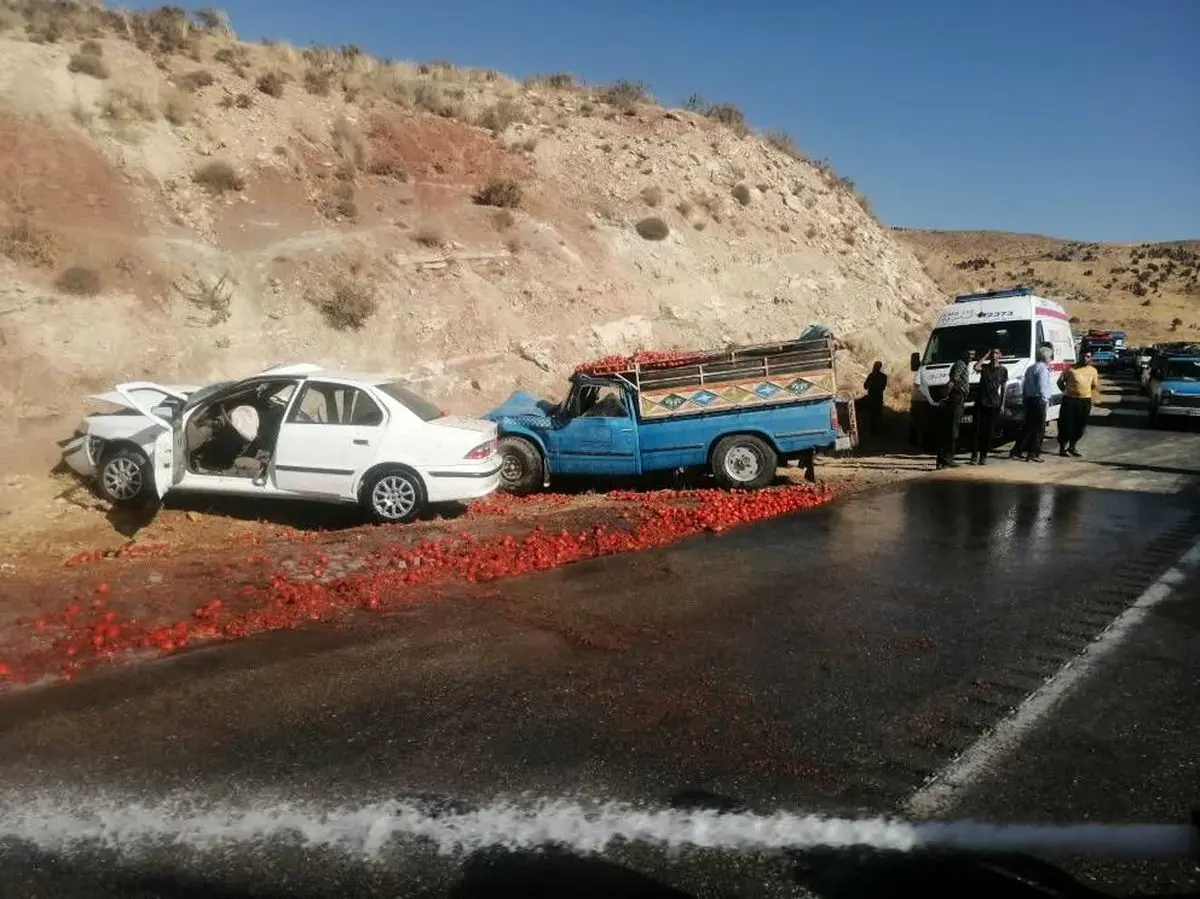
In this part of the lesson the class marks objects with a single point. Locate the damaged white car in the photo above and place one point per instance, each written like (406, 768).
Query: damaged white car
(293, 431)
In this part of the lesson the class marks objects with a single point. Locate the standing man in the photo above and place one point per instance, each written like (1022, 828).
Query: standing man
(993, 378)
(952, 408)
(1081, 388)
(1036, 390)
(875, 385)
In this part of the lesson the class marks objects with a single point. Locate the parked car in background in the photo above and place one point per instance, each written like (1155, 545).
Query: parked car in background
(1175, 385)
(292, 431)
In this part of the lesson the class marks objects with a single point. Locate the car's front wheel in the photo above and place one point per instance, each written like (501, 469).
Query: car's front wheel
(521, 468)
(393, 496)
(126, 478)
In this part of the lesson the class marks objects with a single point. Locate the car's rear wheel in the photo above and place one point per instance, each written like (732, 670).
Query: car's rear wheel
(745, 461)
(393, 496)
(522, 468)
(125, 477)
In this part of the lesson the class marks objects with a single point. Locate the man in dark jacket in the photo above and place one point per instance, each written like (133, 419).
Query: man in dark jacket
(952, 408)
(993, 378)
(875, 385)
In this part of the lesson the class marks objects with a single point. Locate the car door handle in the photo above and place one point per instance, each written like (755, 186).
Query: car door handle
(360, 442)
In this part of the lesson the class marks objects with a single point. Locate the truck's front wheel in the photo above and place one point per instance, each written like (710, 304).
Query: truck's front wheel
(521, 468)
(744, 461)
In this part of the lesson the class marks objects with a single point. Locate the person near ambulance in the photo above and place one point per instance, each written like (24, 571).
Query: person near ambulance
(952, 408)
(993, 378)
(1037, 390)
(1081, 389)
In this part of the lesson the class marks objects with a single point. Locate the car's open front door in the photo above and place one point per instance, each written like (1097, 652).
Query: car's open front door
(147, 398)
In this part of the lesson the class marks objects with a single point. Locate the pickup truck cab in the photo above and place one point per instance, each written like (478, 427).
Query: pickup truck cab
(738, 412)
(1175, 385)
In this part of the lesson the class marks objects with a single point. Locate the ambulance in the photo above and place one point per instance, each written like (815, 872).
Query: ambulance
(1017, 322)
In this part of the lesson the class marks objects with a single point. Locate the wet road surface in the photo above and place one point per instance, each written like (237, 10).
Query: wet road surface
(826, 662)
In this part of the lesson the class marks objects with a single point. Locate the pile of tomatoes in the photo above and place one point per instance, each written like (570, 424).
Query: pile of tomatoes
(642, 359)
(391, 575)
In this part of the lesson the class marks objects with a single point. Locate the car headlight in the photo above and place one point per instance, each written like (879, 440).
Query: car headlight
(1168, 394)
(95, 446)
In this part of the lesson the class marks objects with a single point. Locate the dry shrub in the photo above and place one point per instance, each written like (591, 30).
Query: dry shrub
(729, 115)
(502, 192)
(348, 142)
(741, 193)
(24, 241)
(193, 81)
(499, 116)
(429, 236)
(178, 108)
(783, 142)
(529, 144)
(271, 84)
(218, 177)
(652, 195)
(348, 304)
(214, 298)
(339, 203)
(626, 94)
(319, 80)
(432, 97)
(91, 48)
(700, 224)
(88, 64)
(126, 103)
(652, 228)
(684, 207)
(386, 167)
(503, 220)
(514, 244)
(79, 280)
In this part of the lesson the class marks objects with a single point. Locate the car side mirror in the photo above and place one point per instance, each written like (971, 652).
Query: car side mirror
(164, 412)
(914, 362)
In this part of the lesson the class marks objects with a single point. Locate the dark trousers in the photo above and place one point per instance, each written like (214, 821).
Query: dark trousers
(1033, 431)
(952, 411)
(1072, 421)
(986, 419)
(874, 412)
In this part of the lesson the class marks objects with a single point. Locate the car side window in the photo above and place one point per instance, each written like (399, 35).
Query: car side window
(360, 410)
(336, 404)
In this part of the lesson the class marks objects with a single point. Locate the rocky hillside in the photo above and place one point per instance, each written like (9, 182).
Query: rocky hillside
(176, 204)
(1152, 290)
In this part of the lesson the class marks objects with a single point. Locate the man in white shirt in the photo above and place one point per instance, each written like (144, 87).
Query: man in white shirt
(1037, 390)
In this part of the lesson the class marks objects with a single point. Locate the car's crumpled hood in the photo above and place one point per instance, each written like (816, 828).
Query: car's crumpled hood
(531, 410)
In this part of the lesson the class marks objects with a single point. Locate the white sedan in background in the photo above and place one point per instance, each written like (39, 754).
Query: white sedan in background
(293, 431)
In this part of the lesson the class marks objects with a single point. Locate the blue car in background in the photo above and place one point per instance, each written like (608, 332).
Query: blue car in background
(1175, 385)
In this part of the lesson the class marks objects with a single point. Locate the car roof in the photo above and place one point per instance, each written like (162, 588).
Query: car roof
(311, 370)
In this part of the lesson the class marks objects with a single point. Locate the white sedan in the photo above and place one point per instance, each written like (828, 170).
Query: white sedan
(293, 431)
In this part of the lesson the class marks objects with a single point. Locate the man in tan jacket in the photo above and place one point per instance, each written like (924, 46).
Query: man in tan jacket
(1081, 387)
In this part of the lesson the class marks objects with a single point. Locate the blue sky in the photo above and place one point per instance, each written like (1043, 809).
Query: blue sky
(1074, 118)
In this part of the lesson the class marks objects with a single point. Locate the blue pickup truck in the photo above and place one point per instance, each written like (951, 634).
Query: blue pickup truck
(737, 412)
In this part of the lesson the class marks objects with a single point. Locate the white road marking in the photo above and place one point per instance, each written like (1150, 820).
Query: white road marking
(940, 793)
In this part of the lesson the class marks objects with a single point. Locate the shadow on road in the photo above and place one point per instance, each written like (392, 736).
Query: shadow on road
(896, 875)
(546, 873)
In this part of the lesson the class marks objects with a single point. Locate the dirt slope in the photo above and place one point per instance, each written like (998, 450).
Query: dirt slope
(1152, 290)
(179, 205)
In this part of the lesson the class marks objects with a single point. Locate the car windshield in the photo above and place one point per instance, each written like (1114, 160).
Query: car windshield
(203, 393)
(946, 345)
(1182, 370)
(1100, 347)
(416, 404)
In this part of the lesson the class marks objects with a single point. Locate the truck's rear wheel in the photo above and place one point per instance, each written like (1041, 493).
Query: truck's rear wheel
(521, 468)
(744, 461)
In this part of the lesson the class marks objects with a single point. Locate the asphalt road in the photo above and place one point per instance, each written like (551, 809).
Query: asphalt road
(828, 662)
